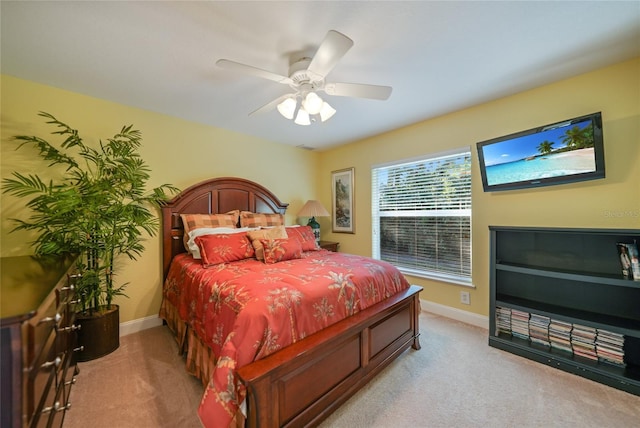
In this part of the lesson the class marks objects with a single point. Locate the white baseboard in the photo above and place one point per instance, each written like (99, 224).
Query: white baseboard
(140, 324)
(455, 313)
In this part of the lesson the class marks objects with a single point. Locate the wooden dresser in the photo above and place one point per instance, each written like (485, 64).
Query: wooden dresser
(38, 339)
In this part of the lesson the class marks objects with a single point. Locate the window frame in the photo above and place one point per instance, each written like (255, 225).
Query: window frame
(458, 279)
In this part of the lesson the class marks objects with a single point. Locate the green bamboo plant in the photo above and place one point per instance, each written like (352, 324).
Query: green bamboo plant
(97, 210)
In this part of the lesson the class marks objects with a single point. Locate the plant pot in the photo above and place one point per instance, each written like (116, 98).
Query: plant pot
(99, 333)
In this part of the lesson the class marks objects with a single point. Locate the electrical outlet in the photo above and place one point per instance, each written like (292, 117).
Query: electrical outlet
(465, 299)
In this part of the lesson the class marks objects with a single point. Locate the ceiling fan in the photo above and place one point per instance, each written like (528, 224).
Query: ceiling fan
(307, 78)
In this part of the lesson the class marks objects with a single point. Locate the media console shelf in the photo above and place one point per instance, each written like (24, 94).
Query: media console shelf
(558, 297)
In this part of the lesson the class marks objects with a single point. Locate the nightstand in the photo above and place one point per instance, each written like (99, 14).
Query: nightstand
(328, 245)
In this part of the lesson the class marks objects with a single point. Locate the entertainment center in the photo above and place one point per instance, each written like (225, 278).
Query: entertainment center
(558, 297)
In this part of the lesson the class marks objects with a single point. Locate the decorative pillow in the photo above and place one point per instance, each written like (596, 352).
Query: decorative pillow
(278, 250)
(249, 219)
(193, 248)
(278, 232)
(224, 248)
(305, 235)
(198, 221)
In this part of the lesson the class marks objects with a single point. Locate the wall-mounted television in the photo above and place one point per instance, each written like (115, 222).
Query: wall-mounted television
(563, 152)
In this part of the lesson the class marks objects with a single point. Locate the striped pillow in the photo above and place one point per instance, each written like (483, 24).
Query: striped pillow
(192, 222)
(249, 219)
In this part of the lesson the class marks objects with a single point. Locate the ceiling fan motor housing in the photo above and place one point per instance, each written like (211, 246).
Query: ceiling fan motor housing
(303, 79)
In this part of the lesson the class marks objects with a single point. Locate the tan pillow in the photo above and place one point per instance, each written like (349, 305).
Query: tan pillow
(278, 232)
(249, 219)
(192, 222)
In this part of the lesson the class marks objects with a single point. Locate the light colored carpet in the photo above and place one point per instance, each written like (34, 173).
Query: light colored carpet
(455, 380)
(141, 384)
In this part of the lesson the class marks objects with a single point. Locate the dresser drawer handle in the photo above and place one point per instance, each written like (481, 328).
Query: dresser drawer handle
(73, 302)
(55, 362)
(69, 288)
(56, 319)
(78, 349)
(72, 327)
(71, 382)
(55, 407)
(63, 408)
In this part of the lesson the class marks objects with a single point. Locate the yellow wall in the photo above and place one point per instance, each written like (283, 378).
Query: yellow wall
(177, 151)
(610, 203)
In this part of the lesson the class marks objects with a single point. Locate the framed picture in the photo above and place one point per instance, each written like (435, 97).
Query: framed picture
(342, 198)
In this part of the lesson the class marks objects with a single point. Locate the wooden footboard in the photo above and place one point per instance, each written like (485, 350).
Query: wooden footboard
(304, 383)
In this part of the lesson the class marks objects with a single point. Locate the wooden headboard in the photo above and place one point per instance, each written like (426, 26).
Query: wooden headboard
(218, 195)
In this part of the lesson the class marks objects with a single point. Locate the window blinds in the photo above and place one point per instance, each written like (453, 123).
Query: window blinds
(421, 212)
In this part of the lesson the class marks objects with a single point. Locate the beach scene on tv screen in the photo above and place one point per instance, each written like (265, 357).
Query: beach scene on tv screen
(556, 152)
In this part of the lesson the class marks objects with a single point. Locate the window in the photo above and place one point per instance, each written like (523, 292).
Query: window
(421, 214)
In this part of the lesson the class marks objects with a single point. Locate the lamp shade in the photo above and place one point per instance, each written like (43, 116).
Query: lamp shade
(287, 107)
(312, 103)
(326, 112)
(303, 111)
(313, 209)
(302, 118)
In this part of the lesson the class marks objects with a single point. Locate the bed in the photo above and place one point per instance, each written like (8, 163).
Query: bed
(306, 377)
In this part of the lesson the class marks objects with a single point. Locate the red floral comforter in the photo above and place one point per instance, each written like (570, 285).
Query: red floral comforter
(247, 309)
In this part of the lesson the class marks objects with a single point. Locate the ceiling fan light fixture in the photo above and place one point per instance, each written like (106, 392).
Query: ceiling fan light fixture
(326, 112)
(287, 107)
(302, 118)
(312, 103)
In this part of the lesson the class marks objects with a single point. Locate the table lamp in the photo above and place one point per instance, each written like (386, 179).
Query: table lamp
(313, 209)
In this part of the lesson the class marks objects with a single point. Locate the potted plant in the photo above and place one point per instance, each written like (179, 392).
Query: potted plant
(96, 208)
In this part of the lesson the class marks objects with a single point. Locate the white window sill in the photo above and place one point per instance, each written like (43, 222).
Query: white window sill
(465, 282)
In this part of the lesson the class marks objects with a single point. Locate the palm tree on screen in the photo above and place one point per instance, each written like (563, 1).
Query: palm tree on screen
(576, 138)
(545, 147)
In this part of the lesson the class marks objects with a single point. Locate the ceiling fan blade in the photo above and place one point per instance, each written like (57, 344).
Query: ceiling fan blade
(332, 48)
(358, 90)
(271, 105)
(254, 71)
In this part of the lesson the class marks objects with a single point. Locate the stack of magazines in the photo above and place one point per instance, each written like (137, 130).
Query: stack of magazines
(503, 320)
(520, 324)
(583, 341)
(560, 335)
(610, 347)
(539, 329)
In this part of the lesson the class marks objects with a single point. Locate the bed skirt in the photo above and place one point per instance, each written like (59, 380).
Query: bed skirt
(200, 361)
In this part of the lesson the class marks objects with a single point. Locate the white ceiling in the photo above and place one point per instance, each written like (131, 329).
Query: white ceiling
(438, 56)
